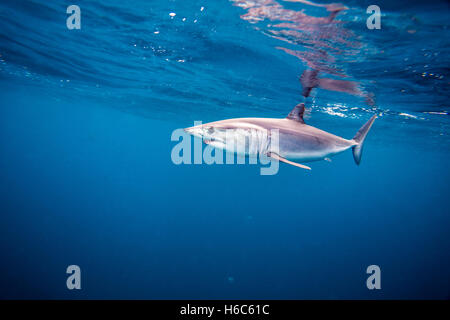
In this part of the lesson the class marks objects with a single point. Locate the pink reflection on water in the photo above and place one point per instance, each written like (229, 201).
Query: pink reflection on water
(319, 41)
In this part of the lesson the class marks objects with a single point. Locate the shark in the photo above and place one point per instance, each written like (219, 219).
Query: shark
(296, 141)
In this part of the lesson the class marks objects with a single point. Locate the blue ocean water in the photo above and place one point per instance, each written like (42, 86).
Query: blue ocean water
(87, 178)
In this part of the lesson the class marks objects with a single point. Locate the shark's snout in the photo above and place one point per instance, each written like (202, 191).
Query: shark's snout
(196, 131)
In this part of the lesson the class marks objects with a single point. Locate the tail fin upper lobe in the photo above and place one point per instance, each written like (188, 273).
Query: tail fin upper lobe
(359, 138)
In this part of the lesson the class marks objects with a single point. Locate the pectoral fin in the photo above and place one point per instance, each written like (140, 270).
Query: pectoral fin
(280, 158)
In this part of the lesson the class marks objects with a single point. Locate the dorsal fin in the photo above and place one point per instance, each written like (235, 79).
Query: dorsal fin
(297, 113)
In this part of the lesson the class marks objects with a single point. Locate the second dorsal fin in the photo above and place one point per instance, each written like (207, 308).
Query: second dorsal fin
(297, 113)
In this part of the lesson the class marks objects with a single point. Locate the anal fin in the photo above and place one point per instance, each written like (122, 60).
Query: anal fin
(280, 158)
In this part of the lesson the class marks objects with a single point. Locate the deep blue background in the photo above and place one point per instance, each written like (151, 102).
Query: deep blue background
(86, 176)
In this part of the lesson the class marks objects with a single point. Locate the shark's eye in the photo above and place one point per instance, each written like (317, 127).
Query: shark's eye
(210, 130)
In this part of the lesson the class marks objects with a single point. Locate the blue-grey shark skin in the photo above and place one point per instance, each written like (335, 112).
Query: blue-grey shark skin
(296, 140)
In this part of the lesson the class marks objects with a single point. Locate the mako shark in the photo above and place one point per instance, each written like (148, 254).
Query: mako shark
(297, 141)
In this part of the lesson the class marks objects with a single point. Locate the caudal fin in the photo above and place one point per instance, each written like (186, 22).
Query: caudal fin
(359, 139)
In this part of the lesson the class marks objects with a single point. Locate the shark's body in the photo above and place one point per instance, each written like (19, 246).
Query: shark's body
(296, 140)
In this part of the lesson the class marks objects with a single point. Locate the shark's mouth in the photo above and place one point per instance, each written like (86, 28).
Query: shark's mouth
(212, 139)
(215, 142)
